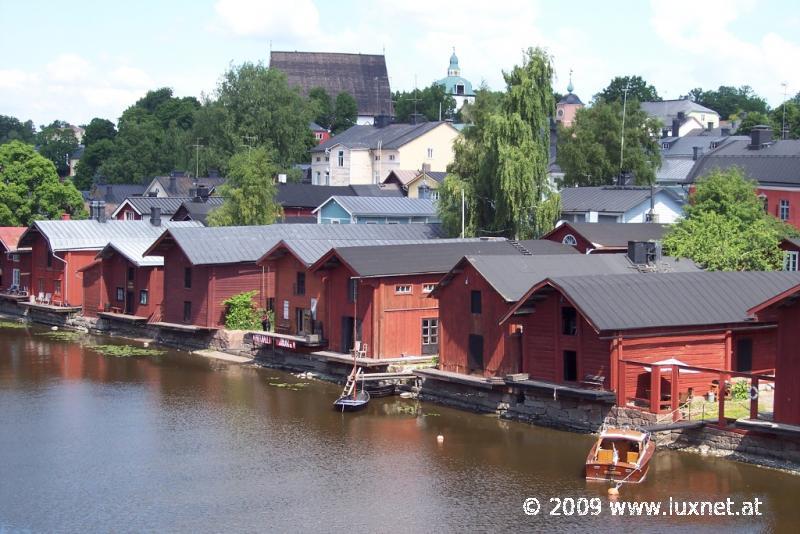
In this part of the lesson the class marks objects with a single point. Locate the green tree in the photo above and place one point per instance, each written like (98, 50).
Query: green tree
(249, 191)
(12, 129)
(729, 100)
(322, 106)
(138, 149)
(57, 143)
(30, 188)
(486, 102)
(791, 118)
(725, 227)
(345, 112)
(241, 312)
(501, 162)
(638, 89)
(589, 150)
(756, 118)
(430, 102)
(93, 157)
(97, 130)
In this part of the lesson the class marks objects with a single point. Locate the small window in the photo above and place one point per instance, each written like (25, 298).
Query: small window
(560, 113)
(40, 285)
(318, 158)
(790, 260)
(430, 153)
(131, 274)
(327, 158)
(187, 311)
(475, 302)
(300, 284)
(430, 332)
(569, 321)
(341, 158)
(569, 239)
(143, 297)
(391, 157)
(377, 157)
(570, 366)
(56, 287)
(120, 294)
(744, 355)
(129, 216)
(434, 194)
(352, 290)
(475, 353)
(319, 175)
(784, 210)
(427, 288)
(187, 277)
(15, 258)
(327, 178)
(403, 289)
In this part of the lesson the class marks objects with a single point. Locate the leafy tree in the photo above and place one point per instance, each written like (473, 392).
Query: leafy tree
(256, 102)
(589, 150)
(428, 102)
(138, 149)
(756, 118)
(57, 142)
(93, 157)
(345, 112)
(501, 163)
(12, 129)
(725, 227)
(249, 191)
(241, 312)
(792, 118)
(30, 188)
(638, 89)
(98, 129)
(486, 101)
(322, 106)
(728, 100)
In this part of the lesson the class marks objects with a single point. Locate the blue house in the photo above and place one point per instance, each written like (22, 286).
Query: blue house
(376, 210)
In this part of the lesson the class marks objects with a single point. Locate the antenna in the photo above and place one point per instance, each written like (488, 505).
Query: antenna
(197, 146)
(249, 141)
(783, 125)
(622, 133)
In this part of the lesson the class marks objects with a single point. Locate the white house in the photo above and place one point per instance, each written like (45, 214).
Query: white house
(622, 204)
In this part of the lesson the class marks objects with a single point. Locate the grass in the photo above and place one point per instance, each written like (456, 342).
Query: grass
(61, 335)
(12, 324)
(291, 387)
(734, 409)
(125, 351)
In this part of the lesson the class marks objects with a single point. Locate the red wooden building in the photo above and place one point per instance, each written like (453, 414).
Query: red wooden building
(301, 199)
(15, 262)
(123, 281)
(604, 238)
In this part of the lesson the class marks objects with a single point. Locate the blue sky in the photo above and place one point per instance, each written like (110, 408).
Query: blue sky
(95, 58)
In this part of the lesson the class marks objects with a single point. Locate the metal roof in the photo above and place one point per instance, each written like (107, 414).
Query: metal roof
(142, 205)
(94, 235)
(235, 244)
(621, 302)
(9, 236)
(184, 184)
(674, 170)
(617, 235)
(132, 250)
(513, 276)
(311, 196)
(390, 137)
(777, 163)
(115, 193)
(198, 211)
(607, 199)
(667, 110)
(385, 206)
(436, 256)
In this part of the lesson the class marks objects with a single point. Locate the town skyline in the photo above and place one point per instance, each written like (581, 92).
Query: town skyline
(97, 73)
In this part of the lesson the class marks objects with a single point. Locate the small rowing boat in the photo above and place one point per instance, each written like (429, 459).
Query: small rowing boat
(620, 455)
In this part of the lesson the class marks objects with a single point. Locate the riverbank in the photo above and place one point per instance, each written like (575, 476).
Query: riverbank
(535, 403)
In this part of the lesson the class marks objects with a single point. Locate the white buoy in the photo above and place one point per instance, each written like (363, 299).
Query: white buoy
(440, 439)
(53, 328)
(146, 344)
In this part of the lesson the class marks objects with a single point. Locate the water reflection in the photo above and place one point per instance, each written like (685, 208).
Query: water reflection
(180, 443)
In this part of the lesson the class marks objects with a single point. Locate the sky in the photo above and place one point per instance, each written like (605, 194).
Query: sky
(90, 59)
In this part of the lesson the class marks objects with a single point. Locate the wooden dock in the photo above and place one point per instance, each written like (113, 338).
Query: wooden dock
(680, 425)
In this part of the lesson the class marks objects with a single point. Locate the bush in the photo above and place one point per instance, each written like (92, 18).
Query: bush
(241, 312)
(740, 390)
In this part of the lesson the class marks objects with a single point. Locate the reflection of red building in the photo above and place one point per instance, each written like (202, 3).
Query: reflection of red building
(15, 263)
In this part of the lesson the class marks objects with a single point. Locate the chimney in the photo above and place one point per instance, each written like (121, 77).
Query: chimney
(681, 116)
(155, 215)
(381, 121)
(173, 183)
(642, 252)
(201, 192)
(426, 167)
(760, 136)
(697, 152)
(676, 127)
(97, 211)
(65, 217)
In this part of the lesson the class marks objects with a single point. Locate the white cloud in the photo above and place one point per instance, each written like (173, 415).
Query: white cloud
(268, 18)
(131, 77)
(14, 79)
(68, 68)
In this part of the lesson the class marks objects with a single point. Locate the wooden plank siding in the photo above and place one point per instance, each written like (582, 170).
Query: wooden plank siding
(176, 294)
(64, 270)
(7, 266)
(102, 279)
(559, 233)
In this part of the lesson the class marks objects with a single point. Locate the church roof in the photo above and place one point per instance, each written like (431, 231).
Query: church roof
(450, 83)
(570, 98)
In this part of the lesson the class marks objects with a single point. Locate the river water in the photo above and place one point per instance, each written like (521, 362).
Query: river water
(176, 442)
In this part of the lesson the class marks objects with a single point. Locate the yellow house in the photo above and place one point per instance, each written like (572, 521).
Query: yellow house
(418, 184)
(367, 154)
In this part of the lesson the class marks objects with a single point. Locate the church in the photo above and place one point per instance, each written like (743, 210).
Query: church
(456, 86)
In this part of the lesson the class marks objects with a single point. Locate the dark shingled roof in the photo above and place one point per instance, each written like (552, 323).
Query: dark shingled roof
(775, 164)
(142, 205)
(436, 257)
(364, 76)
(614, 235)
(184, 184)
(197, 211)
(391, 137)
(570, 98)
(115, 193)
(606, 199)
(311, 196)
(622, 302)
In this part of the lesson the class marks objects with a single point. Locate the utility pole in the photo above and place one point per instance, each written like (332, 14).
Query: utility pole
(622, 133)
(249, 141)
(197, 146)
(783, 125)
(463, 203)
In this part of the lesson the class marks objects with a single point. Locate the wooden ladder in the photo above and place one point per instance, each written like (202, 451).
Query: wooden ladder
(352, 380)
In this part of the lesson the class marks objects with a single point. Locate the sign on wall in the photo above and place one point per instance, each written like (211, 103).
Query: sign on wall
(285, 310)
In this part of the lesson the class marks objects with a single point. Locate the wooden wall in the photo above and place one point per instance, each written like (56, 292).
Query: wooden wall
(787, 366)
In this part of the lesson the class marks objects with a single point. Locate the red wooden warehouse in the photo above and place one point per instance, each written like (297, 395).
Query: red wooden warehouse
(605, 238)
(15, 262)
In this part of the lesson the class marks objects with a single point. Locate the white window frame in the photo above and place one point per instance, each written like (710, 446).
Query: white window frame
(391, 157)
(340, 157)
(427, 288)
(403, 289)
(430, 331)
(129, 215)
(430, 153)
(569, 239)
(783, 209)
(790, 260)
(15, 276)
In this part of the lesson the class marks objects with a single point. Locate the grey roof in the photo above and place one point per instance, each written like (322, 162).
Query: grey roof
(617, 302)
(570, 98)
(364, 76)
(606, 199)
(776, 164)
(684, 146)
(197, 210)
(311, 196)
(184, 184)
(236, 244)
(437, 256)
(115, 193)
(386, 206)
(132, 250)
(513, 276)
(391, 137)
(667, 110)
(673, 170)
(93, 235)
(142, 205)
(618, 234)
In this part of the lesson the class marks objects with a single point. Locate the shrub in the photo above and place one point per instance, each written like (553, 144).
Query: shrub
(241, 312)
(740, 390)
